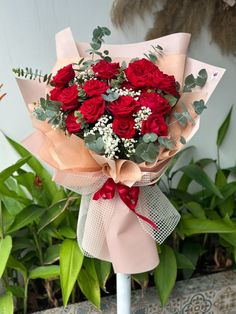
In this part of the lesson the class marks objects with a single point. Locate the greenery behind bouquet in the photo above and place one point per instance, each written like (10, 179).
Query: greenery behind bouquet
(41, 265)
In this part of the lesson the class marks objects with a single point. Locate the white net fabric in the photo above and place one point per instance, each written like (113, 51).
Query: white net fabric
(93, 223)
(96, 216)
(155, 205)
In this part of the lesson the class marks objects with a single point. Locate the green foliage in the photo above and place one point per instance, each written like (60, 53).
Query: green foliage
(98, 38)
(224, 128)
(208, 217)
(38, 231)
(71, 259)
(37, 240)
(5, 250)
(199, 106)
(95, 143)
(88, 282)
(154, 54)
(165, 274)
(6, 303)
(191, 82)
(29, 73)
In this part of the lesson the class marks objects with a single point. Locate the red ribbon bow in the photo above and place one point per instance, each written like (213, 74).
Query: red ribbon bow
(128, 195)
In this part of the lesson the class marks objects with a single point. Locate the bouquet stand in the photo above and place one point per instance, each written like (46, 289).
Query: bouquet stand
(123, 291)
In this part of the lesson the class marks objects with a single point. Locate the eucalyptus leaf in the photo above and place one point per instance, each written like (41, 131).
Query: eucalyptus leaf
(171, 99)
(180, 118)
(166, 142)
(150, 137)
(199, 106)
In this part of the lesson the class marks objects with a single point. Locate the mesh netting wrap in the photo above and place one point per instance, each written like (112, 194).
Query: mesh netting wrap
(96, 217)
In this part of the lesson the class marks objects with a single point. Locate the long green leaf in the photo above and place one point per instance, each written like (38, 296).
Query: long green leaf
(52, 254)
(6, 192)
(18, 266)
(6, 303)
(192, 251)
(224, 128)
(183, 262)
(51, 214)
(88, 282)
(6, 173)
(71, 259)
(103, 270)
(176, 157)
(191, 226)
(142, 279)
(165, 273)
(26, 217)
(34, 164)
(197, 174)
(45, 272)
(5, 250)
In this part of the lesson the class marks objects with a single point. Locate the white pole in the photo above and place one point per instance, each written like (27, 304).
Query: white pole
(123, 292)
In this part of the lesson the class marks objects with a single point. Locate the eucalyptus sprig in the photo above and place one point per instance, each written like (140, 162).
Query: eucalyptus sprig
(153, 55)
(191, 82)
(32, 74)
(98, 38)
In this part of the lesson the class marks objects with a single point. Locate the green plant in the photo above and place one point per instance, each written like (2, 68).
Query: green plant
(41, 264)
(205, 239)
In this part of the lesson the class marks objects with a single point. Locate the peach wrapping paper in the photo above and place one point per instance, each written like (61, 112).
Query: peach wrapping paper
(107, 229)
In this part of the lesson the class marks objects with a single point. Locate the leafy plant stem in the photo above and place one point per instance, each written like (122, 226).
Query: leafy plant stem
(38, 246)
(205, 239)
(25, 296)
(48, 287)
(218, 157)
(1, 221)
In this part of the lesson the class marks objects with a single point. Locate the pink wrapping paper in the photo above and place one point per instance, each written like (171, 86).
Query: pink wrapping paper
(121, 238)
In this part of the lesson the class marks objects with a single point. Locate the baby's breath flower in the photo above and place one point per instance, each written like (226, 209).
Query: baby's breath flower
(140, 116)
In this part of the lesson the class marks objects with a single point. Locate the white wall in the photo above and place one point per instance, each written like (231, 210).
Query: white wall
(27, 29)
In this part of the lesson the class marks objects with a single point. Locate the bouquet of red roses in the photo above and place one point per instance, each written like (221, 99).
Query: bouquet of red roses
(109, 126)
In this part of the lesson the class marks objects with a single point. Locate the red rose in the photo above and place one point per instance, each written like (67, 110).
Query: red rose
(128, 85)
(124, 127)
(95, 87)
(155, 123)
(155, 102)
(55, 93)
(69, 98)
(163, 82)
(106, 70)
(124, 106)
(63, 76)
(71, 124)
(138, 72)
(93, 108)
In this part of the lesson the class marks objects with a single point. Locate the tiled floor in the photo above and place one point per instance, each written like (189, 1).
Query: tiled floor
(212, 294)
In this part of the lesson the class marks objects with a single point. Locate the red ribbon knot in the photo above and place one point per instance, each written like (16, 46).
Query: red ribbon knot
(129, 196)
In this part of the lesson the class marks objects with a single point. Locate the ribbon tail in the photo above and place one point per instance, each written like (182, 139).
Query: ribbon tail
(147, 220)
